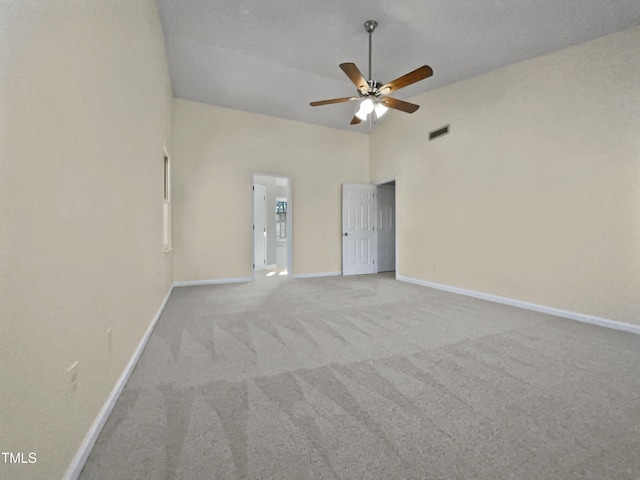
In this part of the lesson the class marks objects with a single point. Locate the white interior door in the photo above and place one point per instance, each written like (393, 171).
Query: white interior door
(359, 250)
(386, 228)
(260, 227)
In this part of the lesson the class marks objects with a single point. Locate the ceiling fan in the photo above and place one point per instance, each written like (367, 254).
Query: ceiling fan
(371, 93)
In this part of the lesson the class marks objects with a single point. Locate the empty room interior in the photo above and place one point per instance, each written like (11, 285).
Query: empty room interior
(229, 249)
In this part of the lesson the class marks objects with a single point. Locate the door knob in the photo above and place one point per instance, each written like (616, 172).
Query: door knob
(346, 234)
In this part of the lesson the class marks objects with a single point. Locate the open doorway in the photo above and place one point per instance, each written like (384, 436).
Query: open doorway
(369, 228)
(271, 226)
(386, 216)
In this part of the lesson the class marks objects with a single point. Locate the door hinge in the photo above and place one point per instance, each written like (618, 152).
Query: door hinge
(253, 188)
(253, 266)
(374, 262)
(254, 227)
(374, 229)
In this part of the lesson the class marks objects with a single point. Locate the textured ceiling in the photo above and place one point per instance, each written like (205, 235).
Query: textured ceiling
(274, 57)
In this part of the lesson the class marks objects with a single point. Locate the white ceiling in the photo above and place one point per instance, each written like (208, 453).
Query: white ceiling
(275, 56)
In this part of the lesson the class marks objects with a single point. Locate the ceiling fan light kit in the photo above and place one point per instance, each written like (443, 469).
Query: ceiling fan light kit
(371, 93)
(366, 107)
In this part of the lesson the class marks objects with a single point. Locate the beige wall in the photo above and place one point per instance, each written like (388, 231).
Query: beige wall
(217, 149)
(535, 193)
(84, 110)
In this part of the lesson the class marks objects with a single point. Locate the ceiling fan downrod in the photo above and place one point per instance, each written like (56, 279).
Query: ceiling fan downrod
(370, 26)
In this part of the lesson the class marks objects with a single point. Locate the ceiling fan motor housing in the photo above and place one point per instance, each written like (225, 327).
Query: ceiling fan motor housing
(374, 89)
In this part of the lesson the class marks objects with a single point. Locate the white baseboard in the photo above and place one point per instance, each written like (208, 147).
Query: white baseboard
(271, 267)
(580, 317)
(77, 464)
(214, 281)
(316, 275)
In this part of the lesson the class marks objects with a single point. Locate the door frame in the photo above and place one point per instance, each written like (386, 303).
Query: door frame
(289, 222)
(395, 213)
(263, 222)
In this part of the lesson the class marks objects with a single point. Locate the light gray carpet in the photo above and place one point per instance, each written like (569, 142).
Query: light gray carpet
(369, 378)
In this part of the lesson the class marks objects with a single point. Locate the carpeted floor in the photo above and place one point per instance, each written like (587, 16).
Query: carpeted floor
(370, 378)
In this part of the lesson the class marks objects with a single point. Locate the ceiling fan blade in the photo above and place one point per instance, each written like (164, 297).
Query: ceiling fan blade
(333, 100)
(355, 120)
(405, 80)
(399, 104)
(355, 76)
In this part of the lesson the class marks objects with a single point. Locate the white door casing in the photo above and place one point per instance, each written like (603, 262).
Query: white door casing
(359, 242)
(260, 227)
(386, 228)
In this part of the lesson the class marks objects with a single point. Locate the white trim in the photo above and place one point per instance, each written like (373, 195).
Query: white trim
(378, 183)
(167, 222)
(79, 460)
(214, 281)
(395, 222)
(580, 317)
(289, 227)
(271, 267)
(316, 275)
(383, 181)
(251, 227)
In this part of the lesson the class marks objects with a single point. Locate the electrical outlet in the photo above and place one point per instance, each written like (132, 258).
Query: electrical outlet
(72, 371)
(109, 340)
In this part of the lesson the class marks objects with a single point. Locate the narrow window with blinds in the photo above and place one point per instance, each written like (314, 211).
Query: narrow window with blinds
(166, 206)
(281, 219)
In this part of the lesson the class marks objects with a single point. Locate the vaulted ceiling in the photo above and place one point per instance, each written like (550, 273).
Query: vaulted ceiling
(275, 56)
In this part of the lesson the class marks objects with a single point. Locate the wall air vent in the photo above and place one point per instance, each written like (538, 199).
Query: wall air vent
(439, 132)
